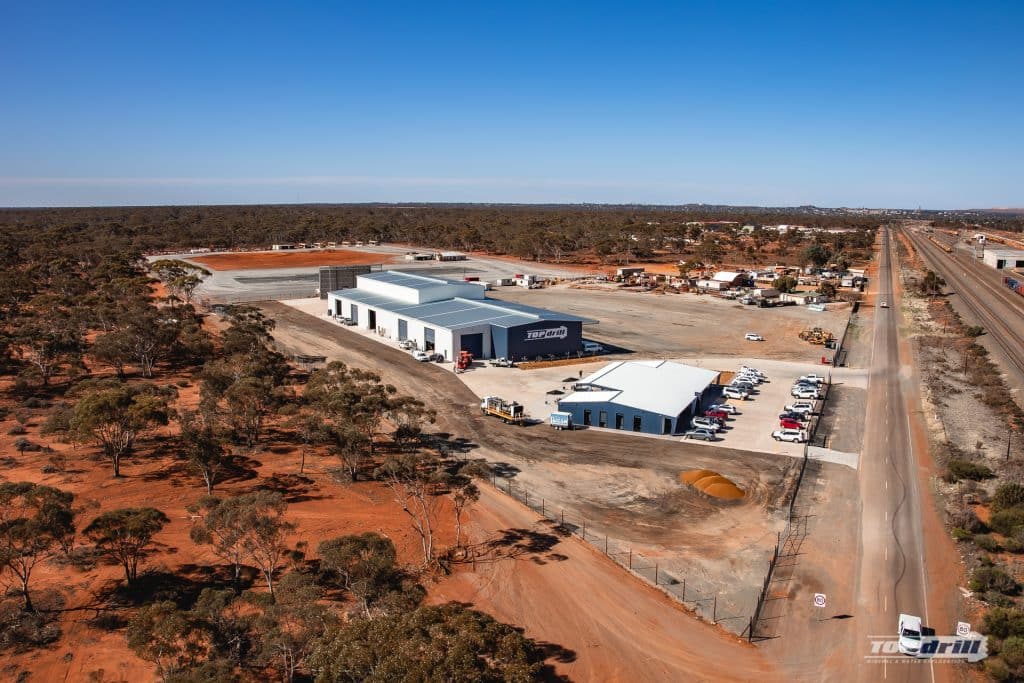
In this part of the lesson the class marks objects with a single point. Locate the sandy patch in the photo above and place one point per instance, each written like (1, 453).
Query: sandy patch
(290, 259)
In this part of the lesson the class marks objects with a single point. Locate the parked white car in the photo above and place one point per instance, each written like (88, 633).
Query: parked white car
(734, 392)
(753, 336)
(817, 379)
(791, 435)
(725, 408)
(421, 356)
(705, 423)
(908, 632)
(805, 407)
(804, 392)
(749, 377)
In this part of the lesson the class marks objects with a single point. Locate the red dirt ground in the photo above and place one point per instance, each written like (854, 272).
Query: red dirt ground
(615, 627)
(320, 506)
(290, 259)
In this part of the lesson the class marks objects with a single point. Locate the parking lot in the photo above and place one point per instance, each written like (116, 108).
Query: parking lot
(685, 325)
(750, 430)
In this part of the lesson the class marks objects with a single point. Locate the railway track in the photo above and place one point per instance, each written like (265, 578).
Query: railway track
(983, 297)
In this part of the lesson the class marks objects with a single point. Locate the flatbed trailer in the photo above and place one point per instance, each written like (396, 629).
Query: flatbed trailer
(510, 412)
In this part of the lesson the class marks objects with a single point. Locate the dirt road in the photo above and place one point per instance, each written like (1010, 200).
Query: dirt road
(626, 487)
(603, 625)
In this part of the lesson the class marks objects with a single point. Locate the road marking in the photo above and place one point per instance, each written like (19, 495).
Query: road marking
(887, 553)
(886, 484)
(885, 603)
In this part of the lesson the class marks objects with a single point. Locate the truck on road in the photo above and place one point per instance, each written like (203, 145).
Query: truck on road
(508, 411)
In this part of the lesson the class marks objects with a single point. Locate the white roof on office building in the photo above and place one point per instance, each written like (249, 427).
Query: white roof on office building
(656, 386)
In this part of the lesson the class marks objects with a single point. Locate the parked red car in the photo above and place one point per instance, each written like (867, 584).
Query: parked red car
(790, 424)
(717, 414)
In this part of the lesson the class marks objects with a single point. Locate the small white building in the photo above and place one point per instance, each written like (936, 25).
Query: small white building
(731, 278)
(1004, 258)
(804, 298)
(450, 256)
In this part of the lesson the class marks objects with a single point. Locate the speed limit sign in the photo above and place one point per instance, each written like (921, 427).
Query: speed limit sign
(963, 629)
(819, 599)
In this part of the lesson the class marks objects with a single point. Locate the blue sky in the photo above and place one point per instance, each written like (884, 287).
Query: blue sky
(858, 104)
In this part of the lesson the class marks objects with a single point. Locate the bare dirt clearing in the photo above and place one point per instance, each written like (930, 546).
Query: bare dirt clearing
(677, 325)
(289, 259)
(627, 487)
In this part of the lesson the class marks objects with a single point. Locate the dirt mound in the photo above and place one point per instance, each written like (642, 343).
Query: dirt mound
(712, 483)
(691, 476)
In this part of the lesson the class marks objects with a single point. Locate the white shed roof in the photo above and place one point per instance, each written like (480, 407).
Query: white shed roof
(726, 275)
(656, 386)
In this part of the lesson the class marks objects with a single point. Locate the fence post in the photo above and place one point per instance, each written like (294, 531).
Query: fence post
(510, 487)
(750, 631)
(655, 573)
(563, 517)
(527, 499)
(542, 508)
(684, 589)
(631, 559)
(714, 610)
(584, 536)
(606, 544)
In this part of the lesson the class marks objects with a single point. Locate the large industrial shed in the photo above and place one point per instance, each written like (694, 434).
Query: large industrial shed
(448, 316)
(656, 397)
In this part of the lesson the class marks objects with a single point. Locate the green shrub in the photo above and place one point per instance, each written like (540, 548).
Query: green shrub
(993, 579)
(995, 599)
(1008, 521)
(997, 670)
(974, 331)
(986, 542)
(965, 469)
(1013, 544)
(1008, 495)
(960, 534)
(1003, 623)
(1012, 651)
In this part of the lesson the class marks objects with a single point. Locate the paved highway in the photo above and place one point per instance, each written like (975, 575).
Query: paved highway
(892, 577)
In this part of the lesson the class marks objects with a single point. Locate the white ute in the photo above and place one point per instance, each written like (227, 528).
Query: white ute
(909, 633)
(792, 435)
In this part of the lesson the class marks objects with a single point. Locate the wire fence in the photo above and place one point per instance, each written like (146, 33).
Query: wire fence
(281, 293)
(693, 591)
(789, 539)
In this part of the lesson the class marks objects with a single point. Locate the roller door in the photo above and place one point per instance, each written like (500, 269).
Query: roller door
(474, 343)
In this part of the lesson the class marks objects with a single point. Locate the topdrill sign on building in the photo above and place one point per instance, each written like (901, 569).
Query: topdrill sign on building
(972, 648)
(549, 333)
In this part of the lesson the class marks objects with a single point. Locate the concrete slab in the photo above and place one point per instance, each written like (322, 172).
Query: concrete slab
(850, 460)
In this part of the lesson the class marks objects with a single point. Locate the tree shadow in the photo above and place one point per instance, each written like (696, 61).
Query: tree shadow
(523, 543)
(447, 443)
(504, 470)
(295, 488)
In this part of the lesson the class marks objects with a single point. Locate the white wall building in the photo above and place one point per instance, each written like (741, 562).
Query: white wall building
(449, 316)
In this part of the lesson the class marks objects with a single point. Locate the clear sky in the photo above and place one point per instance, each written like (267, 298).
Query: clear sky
(898, 103)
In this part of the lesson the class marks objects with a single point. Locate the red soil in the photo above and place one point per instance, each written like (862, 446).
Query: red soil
(320, 506)
(290, 259)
